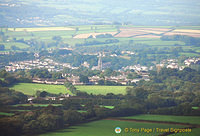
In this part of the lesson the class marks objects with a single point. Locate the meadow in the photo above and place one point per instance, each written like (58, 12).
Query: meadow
(169, 118)
(41, 29)
(6, 114)
(102, 89)
(8, 45)
(107, 127)
(32, 88)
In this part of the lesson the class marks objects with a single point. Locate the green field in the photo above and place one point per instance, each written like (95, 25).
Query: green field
(31, 88)
(41, 29)
(109, 107)
(19, 45)
(102, 89)
(6, 114)
(2, 79)
(82, 111)
(181, 119)
(36, 105)
(158, 42)
(107, 127)
(195, 108)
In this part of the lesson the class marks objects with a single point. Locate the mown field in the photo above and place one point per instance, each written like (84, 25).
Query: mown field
(107, 127)
(102, 89)
(180, 119)
(31, 88)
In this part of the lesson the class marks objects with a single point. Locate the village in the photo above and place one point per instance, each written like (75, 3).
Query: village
(52, 66)
(122, 78)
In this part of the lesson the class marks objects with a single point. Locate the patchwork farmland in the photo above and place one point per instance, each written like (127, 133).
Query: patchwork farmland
(73, 35)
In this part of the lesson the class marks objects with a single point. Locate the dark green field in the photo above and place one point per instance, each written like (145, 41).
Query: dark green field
(107, 127)
(181, 119)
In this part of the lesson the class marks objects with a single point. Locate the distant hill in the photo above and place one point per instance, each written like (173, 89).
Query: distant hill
(26, 13)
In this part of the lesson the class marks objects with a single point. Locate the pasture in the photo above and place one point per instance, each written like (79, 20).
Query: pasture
(158, 42)
(102, 89)
(32, 88)
(8, 45)
(169, 118)
(107, 127)
(6, 114)
(41, 29)
(108, 107)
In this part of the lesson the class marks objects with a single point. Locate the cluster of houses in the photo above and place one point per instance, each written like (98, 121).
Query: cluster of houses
(191, 61)
(60, 98)
(170, 63)
(104, 54)
(40, 64)
(173, 63)
(137, 68)
(75, 80)
(94, 80)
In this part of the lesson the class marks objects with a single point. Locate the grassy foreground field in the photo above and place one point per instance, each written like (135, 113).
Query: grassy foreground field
(181, 119)
(31, 88)
(102, 89)
(107, 127)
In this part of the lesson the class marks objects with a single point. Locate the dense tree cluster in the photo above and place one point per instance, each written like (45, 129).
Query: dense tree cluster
(18, 56)
(8, 79)
(190, 41)
(95, 42)
(174, 80)
(32, 122)
(8, 96)
(70, 87)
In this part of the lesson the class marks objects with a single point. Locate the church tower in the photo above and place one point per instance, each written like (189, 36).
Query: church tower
(100, 61)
